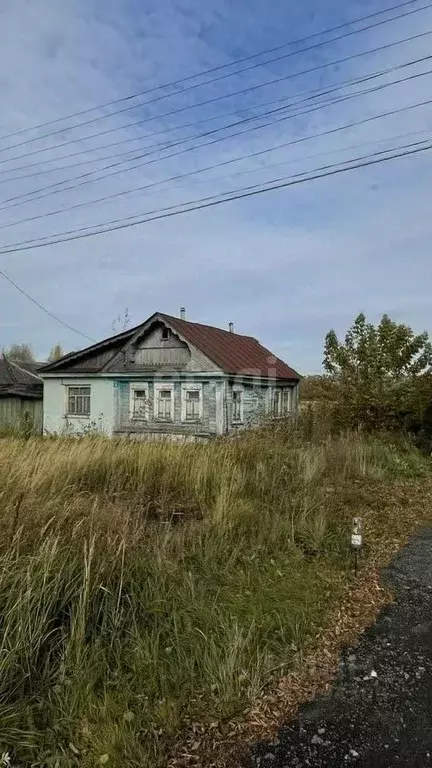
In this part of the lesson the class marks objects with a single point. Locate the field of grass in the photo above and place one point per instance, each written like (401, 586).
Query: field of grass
(146, 587)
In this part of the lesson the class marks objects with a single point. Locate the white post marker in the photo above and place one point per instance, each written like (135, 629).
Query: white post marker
(356, 534)
(356, 539)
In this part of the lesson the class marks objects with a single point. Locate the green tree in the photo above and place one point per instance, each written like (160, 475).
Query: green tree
(380, 370)
(20, 353)
(56, 353)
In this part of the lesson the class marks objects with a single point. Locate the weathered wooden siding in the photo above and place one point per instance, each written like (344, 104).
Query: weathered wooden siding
(169, 357)
(124, 423)
(92, 362)
(257, 404)
(153, 339)
(20, 413)
(152, 350)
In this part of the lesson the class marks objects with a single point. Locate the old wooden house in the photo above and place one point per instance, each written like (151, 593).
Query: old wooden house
(168, 378)
(20, 396)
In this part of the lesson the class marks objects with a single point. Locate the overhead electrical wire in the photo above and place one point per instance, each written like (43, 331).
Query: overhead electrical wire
(10, 202)
(179, 81)
(214, 200)
(284, 56)
(300, 98)
(258, 153)
(249, 89)
(42, 307)
(208, 202)
(302, 158)
(199, 205)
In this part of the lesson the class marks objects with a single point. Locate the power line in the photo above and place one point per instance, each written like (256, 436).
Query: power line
(44, 309)
(215, 99)
(302, 158)
(41, 306)
(197, 206)
(327, 132)
(308, 96)
(202, 203)
(229, 74)
(154, 148)
(34, 196)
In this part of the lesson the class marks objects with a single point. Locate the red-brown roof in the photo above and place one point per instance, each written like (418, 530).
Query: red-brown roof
(232, 352)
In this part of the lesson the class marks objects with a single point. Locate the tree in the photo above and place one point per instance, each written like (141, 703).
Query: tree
(121, 323)
(56, 353)
(20, 353)
(380, 370)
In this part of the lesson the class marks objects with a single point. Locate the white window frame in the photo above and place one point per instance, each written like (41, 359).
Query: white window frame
(134, 387)
(284, 395)
(77, 386)
(159, 387)
(184, 390)
(277, 413)
(287, 401)
(240, 389)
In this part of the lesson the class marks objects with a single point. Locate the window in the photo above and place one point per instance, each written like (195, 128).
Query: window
(281, 402)
(277, 403)
(166, 333)
(237, 413)
(286, 401)
(191, 403)
(78, 401)
(164, 404)
(139, 401)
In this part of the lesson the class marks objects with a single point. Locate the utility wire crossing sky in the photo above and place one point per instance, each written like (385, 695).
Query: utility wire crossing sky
(310, 255)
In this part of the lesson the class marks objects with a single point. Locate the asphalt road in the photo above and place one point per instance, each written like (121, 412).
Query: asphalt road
(378, 714)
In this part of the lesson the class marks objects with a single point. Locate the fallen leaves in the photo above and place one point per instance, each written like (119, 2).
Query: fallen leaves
(313, 671)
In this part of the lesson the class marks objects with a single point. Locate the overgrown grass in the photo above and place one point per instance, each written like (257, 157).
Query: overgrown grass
(144, 587)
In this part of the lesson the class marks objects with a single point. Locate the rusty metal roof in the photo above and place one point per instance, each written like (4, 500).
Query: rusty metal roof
(233, 353)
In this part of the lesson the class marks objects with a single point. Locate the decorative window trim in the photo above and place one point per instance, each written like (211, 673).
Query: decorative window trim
(133, 387)
(191, 388)
(237, 388)
(285, 402)
(277, 403)
(159, 387)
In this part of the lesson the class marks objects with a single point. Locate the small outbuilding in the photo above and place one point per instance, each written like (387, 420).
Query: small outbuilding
(21, 396)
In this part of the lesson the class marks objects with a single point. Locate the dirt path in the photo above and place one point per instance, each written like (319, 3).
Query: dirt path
(378, 714)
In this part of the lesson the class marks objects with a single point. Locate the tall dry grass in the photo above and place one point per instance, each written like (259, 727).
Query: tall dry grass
(143, 587)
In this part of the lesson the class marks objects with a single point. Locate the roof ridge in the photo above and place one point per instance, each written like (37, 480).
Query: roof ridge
(24, 370)
(205, 325)
(232, 353)
(85, 350)
(9, 369)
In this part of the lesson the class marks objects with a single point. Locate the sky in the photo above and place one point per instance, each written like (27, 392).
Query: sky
(284, 266)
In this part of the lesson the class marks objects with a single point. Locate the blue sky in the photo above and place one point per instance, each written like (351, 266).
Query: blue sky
(285, 266)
